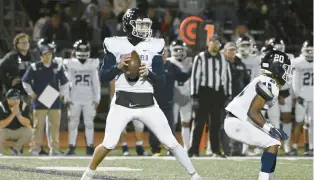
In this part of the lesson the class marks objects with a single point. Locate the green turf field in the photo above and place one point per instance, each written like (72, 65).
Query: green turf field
(149, 168)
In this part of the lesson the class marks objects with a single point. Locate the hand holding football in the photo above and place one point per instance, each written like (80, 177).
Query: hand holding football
(133, 65)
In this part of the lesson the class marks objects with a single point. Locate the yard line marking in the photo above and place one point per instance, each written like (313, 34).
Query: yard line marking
(148, 158)
(57, 173)
(105, 169)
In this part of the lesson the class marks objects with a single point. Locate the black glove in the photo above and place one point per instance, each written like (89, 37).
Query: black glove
(278, 134)
(300, 101)
(195, 103)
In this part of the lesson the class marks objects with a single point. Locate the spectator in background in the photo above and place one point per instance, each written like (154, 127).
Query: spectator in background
(240, 78)
(109, 21)
(55, 30)
(90, 15)
(167, 27)
(40, 75)
(225, 10)
(210, 87)
(15, 63)
(14, 122)
(156, 25)
(241, 31)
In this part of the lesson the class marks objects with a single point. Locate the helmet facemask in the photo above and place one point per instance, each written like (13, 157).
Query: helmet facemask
(244, 48)
(178, 52)
(141, 28)
(308, 53)
(287, 76)
(280, 47)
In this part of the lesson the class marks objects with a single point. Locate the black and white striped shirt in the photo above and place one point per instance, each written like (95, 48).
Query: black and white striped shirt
(210, 71)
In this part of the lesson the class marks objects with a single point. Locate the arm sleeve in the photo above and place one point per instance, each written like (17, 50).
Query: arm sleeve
(109, 69)
(157, 75)
(28, 76)
(196, 76)
(64, 83)
(296, 82)
(28, 88)
(96, 86)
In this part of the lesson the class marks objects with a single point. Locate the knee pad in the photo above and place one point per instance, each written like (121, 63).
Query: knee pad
(89, 124)
(73, 123)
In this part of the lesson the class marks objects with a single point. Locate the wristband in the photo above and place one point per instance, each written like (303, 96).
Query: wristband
(267, 127)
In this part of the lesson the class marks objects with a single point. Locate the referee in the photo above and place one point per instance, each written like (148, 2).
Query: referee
(210, 87)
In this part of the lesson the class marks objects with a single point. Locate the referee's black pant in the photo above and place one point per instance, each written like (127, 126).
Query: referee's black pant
(153, 140)
(211, 103)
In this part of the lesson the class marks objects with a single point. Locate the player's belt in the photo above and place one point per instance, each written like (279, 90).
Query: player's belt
(134, 100)
(284, 93)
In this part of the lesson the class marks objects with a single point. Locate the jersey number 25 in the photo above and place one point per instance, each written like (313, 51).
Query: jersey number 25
(82, 78)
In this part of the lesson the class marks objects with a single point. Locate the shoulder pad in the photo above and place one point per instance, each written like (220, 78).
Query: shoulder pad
(263, 91)
(156, 45)
(94, 62)
(114, 44)
(58, 60)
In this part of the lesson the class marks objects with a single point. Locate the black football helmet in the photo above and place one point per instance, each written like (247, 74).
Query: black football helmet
(178, 50)
(44, 43)
(307, 50)
(267, 48)
(81, 49)
(244, 45)
(278, 43)
(137, 23)
(278, 64)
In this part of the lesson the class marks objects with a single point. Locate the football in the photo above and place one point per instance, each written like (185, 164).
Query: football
(132, 70)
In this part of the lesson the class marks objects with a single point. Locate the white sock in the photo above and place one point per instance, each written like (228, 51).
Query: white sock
(245, 148)
(271, 176)
(295, 146)
(182, 157)
(287, 129)
(185, 132)
(263, 176)
(310, 135)
(88, 174)
(89, 133)
(208, 148)
(72, 128)
(139, 143)
(124, 144)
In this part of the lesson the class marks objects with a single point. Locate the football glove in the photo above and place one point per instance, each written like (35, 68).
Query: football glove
(274, 132)
(300, 100)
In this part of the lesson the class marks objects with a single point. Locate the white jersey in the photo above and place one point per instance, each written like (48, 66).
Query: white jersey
(185, 66)
(84, 80)
(252, 63)
(240, 105)
(288, 86)
(147, 49)
(302, 78)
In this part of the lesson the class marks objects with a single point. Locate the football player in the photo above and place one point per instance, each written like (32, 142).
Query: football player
(84, 94)
(134, 97)
(244, 121)
(303, 90)
(284, 104)
(182, 101)
(138, 127)
(252, 63)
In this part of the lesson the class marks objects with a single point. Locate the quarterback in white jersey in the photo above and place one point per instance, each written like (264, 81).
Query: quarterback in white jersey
(84, 94)
(245, 122)
(133, 97)
(181, 96)
(251, 61)
(303, 90)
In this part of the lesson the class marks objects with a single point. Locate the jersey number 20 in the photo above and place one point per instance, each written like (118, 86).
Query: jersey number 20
(82, 78)
(308, 79)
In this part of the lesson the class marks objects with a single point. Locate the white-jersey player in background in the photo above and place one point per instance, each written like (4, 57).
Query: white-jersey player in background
(182, 101)
(252, 63)
(244, 121)
(134, 95)
(84, 94)
(284, 104)
(303, 90)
